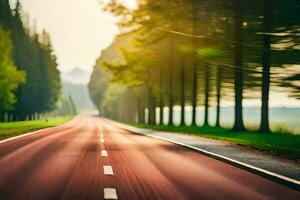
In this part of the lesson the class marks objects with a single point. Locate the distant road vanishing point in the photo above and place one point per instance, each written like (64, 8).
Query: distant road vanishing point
(92, 158)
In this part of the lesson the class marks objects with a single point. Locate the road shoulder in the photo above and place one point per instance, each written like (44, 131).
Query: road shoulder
(277, 169)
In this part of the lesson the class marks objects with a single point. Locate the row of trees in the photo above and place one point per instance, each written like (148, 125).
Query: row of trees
(30, 83)
(113, 100)
(65, 107)
(195, 53)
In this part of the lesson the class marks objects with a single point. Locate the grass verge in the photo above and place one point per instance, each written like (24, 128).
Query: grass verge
(279, 144)
(11, 129)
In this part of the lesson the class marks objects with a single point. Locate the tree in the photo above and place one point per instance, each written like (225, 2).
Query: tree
(218, 96)
(73, 107)
(10, 77)
(264, 124)
(226, 46)
(182, 90)
(238, 62)
(32, 53)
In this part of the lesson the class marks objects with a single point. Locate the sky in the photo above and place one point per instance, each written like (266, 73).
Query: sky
(79, 29)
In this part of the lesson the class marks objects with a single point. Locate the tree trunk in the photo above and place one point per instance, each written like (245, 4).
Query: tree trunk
(194, 97)
(14, 116)
(22, 117)
(11, 117)
(266, 61)
(195, 65)
(206, 101)
(219, 79)
(141, 112)
(2, 116)
(161, 112)
(182, 115)
(154, 110)
(238, 60)
(171, 100)
(161, 99)
(6, 117)
(151, 108)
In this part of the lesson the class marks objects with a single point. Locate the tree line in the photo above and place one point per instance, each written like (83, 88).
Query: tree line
(199, 53)
(29, 78)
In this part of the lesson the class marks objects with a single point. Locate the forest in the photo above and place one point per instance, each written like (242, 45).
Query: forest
(29, 77)
(188, 54)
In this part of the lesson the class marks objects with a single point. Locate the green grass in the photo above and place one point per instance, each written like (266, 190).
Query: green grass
(285, 145)
(10, 129)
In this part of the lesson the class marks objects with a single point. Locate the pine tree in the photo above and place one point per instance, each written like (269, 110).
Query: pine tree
(10, 77)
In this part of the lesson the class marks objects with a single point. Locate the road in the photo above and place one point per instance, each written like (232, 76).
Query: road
(91, 158)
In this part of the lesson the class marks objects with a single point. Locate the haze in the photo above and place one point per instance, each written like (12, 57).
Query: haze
(79, 29)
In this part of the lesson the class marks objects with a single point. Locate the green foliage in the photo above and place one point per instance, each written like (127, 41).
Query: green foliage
(33, 54)
(110, 101)
(210, 53)
(186, 49)
(191, 52)
(110, 69)
(10, 77)
(66, 107)
(97, 85)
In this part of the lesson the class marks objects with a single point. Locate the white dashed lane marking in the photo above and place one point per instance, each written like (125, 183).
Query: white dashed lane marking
(108, 170)
(110, 193)
(104, 153)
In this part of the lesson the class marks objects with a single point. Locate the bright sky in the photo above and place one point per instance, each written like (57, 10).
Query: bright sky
(79, 29)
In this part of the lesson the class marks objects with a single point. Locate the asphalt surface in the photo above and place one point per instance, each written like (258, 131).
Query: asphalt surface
(263, 160)
(91, 158)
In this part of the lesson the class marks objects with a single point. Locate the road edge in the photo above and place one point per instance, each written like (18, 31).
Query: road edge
(31, 133)
(23, 135)
(284, 180)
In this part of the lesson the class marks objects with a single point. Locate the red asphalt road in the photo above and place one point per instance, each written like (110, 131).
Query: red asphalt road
(65, 163)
